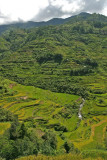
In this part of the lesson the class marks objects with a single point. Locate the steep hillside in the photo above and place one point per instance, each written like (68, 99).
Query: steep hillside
(69, 58)
(54, 78)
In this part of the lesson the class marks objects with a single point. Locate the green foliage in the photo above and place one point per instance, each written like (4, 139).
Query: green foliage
(18, 143)
(69, 147)
(60, 59)
(7, 149)
(69, 59)
(43, 58)
(58, 127)
(17, 131)
(50, 143)
(105, 138)
(5, 115)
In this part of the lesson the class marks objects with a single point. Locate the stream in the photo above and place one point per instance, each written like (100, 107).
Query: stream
(81, 106)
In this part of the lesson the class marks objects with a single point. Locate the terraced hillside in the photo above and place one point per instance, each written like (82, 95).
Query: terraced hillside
(46, 74)
(43, 110)
(68, 58)
(30, 102)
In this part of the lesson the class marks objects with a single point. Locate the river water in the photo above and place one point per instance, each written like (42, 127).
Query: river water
(81, 106)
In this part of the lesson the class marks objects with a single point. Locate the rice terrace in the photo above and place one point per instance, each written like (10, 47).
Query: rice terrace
(53, 89)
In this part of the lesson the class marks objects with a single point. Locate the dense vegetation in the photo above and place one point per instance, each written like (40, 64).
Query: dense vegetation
(45, 73)
(19, 142)
(58, 58)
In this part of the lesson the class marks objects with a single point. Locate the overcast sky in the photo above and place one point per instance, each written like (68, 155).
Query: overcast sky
(42, 10)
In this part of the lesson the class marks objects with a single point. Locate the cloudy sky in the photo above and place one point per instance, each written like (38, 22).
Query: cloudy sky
(42, 10)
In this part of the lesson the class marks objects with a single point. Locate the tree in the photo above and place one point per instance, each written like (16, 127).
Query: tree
(58, 58)
(69, 147)
(7, 149)
(50, 143)
(22, 131)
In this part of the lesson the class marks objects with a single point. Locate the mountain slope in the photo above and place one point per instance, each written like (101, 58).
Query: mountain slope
(54, 57)
(69, 63)
(55, 21)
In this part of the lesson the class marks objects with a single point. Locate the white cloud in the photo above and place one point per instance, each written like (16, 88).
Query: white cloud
(14, 10)
(67, 5)
(73, 7)
(104, 12)
(24, 9)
